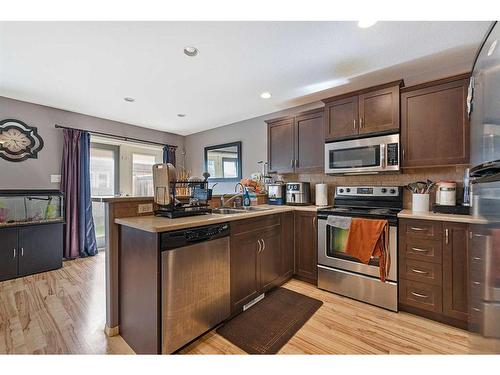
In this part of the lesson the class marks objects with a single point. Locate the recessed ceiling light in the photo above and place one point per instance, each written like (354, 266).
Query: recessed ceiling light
(366, 23)
(265, 95)
(181, 115)
(130, 100)
(191, 51)
(492, 48)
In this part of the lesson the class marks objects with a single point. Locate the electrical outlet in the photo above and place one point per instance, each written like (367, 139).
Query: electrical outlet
(55, 178)
(145, 208)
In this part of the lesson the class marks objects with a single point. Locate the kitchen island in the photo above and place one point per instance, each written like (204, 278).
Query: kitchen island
(260, 257)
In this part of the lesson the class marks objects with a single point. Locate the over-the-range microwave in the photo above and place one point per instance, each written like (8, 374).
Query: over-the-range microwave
(363, 156)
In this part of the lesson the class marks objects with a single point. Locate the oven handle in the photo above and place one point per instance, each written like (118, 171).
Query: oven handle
(382, 155)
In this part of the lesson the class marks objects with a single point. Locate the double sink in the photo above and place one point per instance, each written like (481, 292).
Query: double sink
(242, 210)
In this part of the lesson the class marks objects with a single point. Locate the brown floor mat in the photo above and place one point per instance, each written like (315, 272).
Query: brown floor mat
(267, 326)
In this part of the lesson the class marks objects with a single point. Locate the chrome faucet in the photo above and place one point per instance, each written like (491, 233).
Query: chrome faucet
(223, 202)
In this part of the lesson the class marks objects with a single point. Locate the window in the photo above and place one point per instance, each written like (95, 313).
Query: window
(142, 174)
(230, 167)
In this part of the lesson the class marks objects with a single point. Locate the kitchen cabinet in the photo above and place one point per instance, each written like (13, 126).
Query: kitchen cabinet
(30, 249)
(434, 123)
(288, 243)
(256, 258)
(306, 248)
(296, 143)
(370, 111)
(455, 270)
(433, 270)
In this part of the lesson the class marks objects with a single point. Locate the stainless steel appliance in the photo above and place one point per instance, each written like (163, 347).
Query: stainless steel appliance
(341, 273)
(276, 193)
(298, 193)
(195, 283)
(484, 252)
(363, 156)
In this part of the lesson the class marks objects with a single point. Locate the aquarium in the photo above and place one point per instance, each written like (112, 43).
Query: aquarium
(19, 207)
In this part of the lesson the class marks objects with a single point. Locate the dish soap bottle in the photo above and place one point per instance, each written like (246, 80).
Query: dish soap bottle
(246, 198)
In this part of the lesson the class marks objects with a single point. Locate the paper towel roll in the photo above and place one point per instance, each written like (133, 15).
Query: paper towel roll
(321, 195)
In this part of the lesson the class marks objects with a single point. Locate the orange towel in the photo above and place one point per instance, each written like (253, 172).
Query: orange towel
(368, 238)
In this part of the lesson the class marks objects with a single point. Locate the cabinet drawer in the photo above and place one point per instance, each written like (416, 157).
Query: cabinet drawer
(426, 272)
(422, 249)
(422, 229)
(421, 295)
(256, 223)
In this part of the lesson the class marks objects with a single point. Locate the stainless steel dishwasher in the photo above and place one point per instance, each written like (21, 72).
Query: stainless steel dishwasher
(195, 283)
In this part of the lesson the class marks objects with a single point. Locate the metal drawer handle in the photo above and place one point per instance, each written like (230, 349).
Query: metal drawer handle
(417, 229)
(476, 283)
(476, 309)
(476, 258)
(354, 124)
(14, 253)
(419, 295)
(260, 246)
(420, 250)
(263, 244)
(22, 251)
(447, 236)
(419, 271)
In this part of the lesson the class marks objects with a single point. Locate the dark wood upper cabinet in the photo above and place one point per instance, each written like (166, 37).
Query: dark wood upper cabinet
(434, 124)
(8, 253)
(379, 110)
(306, 249)
(296, 143)
(280, 145)
(309, 142)
(455, 271)
(357, 114)
(342, 118)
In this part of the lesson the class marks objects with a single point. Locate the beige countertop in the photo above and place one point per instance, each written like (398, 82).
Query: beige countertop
(157, 224)
(117, 198)
(409, 214)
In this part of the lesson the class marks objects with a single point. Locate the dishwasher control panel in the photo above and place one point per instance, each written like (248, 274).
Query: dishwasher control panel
(186, 237)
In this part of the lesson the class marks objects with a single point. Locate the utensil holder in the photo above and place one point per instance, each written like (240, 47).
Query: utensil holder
(420, 202)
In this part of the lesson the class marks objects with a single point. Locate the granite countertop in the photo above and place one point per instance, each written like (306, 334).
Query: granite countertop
(409, 214)
(157, 224)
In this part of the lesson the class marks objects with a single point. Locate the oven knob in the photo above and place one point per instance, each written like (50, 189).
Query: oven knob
(341, 190)
(348, 190)
(384, 190)
(393, 191)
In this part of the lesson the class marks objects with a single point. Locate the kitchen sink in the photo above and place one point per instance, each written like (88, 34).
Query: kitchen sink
(227, 211)
(255, 208)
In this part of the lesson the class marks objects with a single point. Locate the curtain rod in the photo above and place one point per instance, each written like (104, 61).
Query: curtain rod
(116, 136)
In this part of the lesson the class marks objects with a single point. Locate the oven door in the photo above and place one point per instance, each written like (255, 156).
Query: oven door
(331, 252)
(368, 155)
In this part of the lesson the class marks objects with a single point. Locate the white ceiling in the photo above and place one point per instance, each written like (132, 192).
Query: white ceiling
(89, 67)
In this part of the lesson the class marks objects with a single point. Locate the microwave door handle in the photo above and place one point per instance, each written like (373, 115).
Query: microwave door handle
(382, 156)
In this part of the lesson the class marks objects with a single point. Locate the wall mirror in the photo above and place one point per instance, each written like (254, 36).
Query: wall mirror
(223, 162)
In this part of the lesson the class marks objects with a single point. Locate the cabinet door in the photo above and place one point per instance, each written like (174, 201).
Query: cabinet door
(309, 142)
(41, 248)
(306, 252)
(455, 271)
(341, 118)
(287, 243)
(280, 137)
(434, 128)
(8, 253)
(245, 282)
(271, 259)
(379, 111)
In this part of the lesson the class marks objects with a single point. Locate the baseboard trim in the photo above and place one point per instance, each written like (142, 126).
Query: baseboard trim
(111, 331)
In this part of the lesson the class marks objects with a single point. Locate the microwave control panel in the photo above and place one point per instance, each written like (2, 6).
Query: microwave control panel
(393, 154)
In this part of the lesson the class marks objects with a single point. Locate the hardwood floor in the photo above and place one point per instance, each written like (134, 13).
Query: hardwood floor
(63, 311)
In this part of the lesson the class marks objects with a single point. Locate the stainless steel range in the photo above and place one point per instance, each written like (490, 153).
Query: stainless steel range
(341, 273)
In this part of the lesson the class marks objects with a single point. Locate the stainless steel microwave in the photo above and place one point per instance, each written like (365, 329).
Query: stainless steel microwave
(363, 156)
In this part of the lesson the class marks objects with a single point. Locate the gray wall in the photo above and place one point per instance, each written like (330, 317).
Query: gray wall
(253, 135)
(35, 173)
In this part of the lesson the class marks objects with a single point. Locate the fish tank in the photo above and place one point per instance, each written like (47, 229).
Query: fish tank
(24, 207)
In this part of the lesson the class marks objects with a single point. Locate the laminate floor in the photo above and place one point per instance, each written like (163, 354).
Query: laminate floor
(63, 311)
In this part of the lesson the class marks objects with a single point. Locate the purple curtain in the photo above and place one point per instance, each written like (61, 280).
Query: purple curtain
(169, 154)
(75, 185)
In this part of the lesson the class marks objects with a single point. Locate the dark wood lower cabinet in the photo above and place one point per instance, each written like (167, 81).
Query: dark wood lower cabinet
(271, 260)
(30, 249)
(8, 253)
(455, 271)
(288, 243)
(433, 273)
(306, 248)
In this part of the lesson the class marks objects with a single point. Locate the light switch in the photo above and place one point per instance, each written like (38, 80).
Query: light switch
(55, 178)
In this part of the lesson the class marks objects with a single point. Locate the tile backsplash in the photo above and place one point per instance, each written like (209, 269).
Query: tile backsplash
(454, 173)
